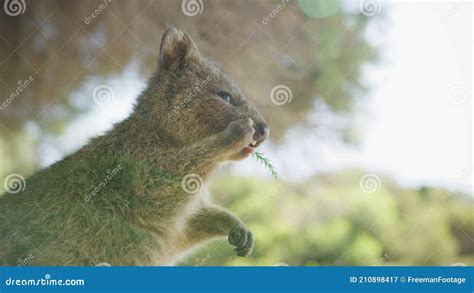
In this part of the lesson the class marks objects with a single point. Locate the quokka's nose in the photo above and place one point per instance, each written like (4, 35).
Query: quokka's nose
(261, 132)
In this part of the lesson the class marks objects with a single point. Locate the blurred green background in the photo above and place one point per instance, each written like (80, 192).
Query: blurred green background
(318, 212)
(329, 220)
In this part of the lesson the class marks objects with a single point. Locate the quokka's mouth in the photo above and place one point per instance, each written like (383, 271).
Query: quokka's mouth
(260, 135)
(251, 148)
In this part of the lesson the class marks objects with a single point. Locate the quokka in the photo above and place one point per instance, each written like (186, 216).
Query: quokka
(123, 198)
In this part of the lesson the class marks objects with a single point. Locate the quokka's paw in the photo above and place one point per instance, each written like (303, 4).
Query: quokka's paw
(242, 239)
(239, 133)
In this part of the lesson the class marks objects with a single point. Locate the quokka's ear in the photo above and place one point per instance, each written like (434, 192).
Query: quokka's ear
(176, 47)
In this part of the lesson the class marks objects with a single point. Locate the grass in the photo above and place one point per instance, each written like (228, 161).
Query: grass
(267, 163)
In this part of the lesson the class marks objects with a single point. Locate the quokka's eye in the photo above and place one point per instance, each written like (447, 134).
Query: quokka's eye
(226, 97)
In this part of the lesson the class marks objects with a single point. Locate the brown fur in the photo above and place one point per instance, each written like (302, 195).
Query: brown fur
(140, 214)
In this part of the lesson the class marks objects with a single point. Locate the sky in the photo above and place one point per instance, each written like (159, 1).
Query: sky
(415, 125)
(421, 129)
(423, 99)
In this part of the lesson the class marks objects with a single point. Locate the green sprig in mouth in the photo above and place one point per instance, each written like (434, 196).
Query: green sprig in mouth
(267, 163)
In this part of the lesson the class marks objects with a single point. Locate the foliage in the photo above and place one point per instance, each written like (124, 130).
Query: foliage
(332, 224)
(56, 44)
(267, 163)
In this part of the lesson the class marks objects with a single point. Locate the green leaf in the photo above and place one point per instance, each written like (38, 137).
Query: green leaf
(267, 163)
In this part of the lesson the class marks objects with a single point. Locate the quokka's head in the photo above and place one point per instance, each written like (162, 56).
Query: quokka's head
(192, 98)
